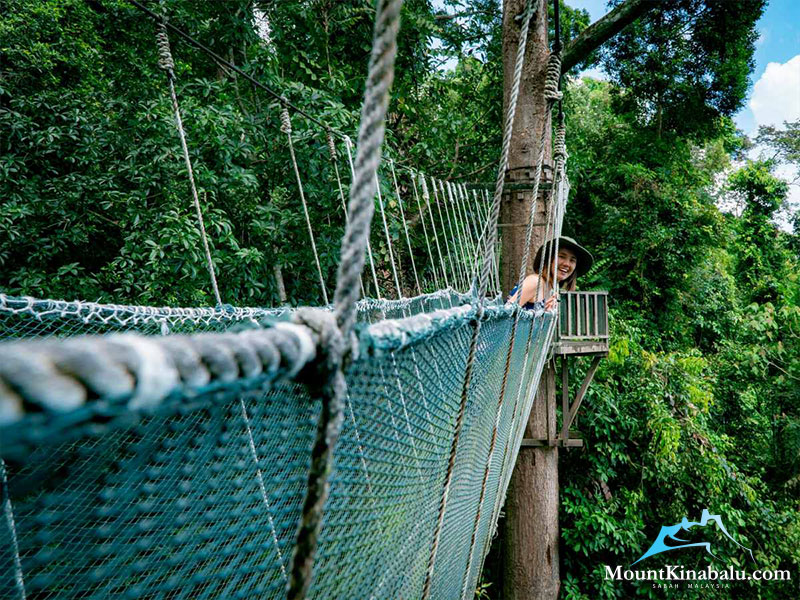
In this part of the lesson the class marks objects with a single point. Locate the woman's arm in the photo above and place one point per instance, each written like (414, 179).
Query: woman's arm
(528, 291)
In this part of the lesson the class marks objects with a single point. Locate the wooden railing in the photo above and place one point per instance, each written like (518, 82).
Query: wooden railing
(583, 323)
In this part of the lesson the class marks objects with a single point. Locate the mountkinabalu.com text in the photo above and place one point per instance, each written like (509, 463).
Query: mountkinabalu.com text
(679, 573)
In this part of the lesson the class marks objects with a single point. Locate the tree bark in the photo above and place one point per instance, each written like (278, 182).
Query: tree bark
(531, 532)
(530, 529)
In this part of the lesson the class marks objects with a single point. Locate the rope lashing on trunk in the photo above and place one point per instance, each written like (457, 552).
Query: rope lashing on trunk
(483, 283)
(166, 62)
(553, 76)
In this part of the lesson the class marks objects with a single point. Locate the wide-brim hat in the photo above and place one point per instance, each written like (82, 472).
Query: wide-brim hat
(584, 257)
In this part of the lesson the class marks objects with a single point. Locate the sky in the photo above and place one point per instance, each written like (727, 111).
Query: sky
(774, 95)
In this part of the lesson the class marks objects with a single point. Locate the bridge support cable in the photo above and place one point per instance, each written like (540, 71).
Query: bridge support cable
(458, 226)
(286, 127)
(432, 261)
(442, 264)
(168, 65)
(335, 161)
(405, 227)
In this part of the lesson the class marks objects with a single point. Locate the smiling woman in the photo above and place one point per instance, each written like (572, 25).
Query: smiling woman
(572, 260)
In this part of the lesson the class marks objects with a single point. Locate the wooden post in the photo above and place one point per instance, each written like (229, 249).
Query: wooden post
(530, 528)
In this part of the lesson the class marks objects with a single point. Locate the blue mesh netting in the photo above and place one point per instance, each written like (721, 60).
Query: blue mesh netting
(200, 498)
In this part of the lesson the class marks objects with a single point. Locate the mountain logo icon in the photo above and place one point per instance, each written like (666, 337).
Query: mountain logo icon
(670, 533)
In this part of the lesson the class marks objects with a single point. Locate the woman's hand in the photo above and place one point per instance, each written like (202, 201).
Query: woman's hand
(551, 303)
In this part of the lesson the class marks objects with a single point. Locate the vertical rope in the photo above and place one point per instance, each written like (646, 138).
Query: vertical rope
(335, 162)
(286, 127)
(262, 488)
(482, 286)
(333, 389)
(388, 240)
(460, 230)
(445, 241)
(425, 234)
(167, 64)
(450, 240)
(427, 197)
(349, 145)
(405, 228)
(370, 140)
(8, 511)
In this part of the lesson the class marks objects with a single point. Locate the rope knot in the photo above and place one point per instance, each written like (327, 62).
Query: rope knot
(551, 91)
(164, 53)
(333, 348)
(286, 121)
(331, 144)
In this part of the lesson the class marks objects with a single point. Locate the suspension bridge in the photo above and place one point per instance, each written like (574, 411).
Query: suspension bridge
(361, 449)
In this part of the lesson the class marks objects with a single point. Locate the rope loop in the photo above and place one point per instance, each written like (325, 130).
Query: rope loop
(551, 92)
(164, 53)
(286, 121)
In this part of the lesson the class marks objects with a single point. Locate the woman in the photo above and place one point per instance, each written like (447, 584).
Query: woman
(572, 261)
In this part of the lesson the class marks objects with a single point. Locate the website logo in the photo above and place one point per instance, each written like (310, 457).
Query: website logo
(670, 533)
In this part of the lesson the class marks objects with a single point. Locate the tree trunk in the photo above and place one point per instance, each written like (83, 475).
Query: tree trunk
(530, 528)
(530, 118)
(531, 534)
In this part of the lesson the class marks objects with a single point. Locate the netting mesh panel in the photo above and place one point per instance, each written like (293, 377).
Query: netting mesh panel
(202, 499)
(24, 317)
(171, 507)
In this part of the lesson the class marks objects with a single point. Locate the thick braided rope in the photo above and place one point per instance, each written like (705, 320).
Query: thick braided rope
(168, 65)
(333, 389)
(553, 76)
(348, 143)
(60, 375)
(482, 285)
(368, 156)
(286, 127)
(494, 215)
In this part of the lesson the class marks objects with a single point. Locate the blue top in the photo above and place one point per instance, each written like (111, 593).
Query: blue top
(528, 305)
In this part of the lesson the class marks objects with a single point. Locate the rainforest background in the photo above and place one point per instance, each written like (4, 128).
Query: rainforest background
(698, 403)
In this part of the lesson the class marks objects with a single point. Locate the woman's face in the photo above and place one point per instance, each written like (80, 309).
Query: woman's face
(566, 263)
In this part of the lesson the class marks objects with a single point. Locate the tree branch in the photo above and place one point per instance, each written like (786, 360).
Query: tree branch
(604, 29)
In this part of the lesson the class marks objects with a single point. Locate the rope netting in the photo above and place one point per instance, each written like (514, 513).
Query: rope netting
(358, 450)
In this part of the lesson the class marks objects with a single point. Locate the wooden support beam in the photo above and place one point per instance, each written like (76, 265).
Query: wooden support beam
(573, 410)
(569, 443)
(604, 29)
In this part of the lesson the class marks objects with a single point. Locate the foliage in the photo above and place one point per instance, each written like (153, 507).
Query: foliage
(698, 403)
